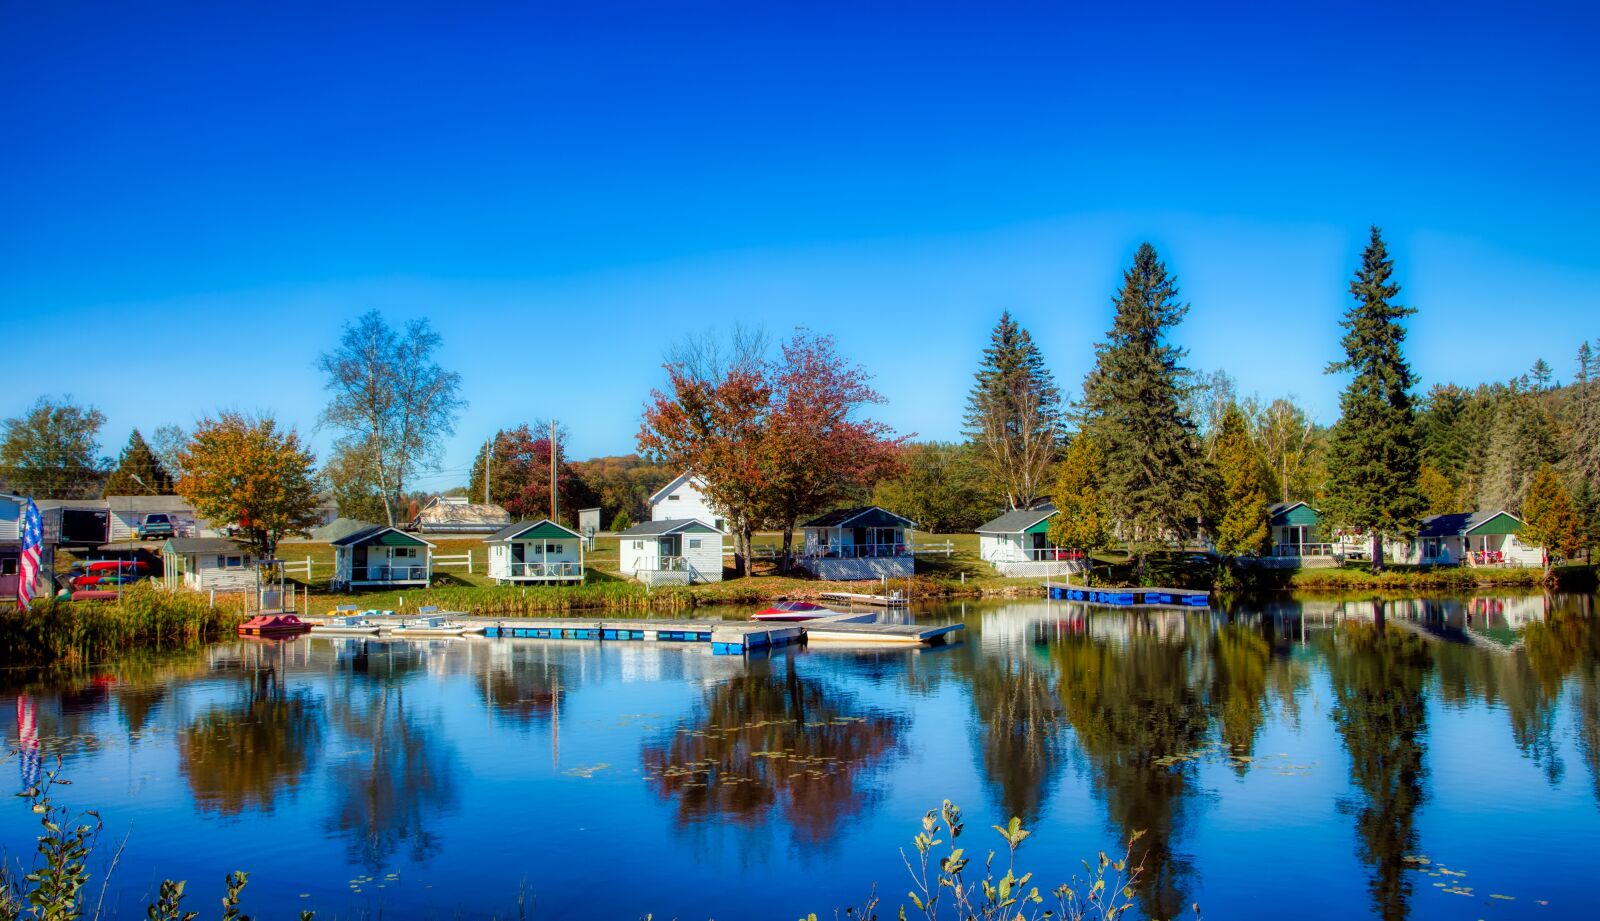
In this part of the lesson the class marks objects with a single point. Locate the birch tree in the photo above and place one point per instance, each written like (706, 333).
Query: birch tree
(389, 400)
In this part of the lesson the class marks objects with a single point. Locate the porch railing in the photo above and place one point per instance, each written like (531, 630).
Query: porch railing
(394, 574)
(858, 551)
(1291, 551)
(552, 570)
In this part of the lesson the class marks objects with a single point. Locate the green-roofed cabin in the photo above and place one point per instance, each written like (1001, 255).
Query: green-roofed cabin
(852, 544)
(1018, 544)
(381, 557)
(1473, 539)
(1297, 534)
(535, 551)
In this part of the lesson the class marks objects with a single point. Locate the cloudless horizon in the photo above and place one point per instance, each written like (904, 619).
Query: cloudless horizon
(195, 198)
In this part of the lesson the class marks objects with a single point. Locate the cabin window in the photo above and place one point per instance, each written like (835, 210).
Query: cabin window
(673, 498)
(8, 566)
(405, 553)
(230, 562)
(694, 543)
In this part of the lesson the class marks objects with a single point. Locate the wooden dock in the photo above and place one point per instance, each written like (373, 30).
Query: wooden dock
(880, 601)
(727, 637)
(1130, 597)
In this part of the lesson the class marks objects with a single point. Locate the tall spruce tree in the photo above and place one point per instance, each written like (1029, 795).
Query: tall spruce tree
(1014, 415)
(1133, 405)
(1242, 524)
(1373, 457)
(139, 472)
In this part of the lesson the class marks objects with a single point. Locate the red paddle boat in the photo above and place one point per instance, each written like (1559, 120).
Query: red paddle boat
(792, 610)
(274, 625)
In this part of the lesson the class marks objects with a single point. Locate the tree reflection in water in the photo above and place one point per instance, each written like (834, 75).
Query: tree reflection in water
(1130, 703)
(524, 691)
(1240, 658)
(1017, 729)
(241, 755)
(765, 743)
(1378, 676)
(399, 771)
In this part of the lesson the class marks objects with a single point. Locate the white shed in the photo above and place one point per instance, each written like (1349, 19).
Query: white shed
(535, 551)
(205, 564)
(1018, 544)
(671, 552)
(684, 499)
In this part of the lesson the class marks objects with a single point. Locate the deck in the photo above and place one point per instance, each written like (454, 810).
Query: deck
(727, 637)
(880, 601)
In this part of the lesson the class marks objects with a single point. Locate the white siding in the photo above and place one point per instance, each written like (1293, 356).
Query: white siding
(203, 573)
(10, 519)
(706, 559)
(635, 554)
(683, 502)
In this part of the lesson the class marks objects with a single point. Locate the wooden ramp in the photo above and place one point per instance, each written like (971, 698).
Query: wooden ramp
(879, 601)
(1130, 597)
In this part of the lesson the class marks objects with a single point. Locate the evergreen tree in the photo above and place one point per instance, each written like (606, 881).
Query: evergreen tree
(1583, 428)
(1133, 407)
(1522, 441)
(1438, 493)
(139, 472)
(1445, 430)
(1014, 414)
(1242, 528)
(1540, 374)
(1373, 457)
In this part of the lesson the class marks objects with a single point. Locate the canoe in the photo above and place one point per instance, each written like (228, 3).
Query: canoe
(273, 625)
(792, 611)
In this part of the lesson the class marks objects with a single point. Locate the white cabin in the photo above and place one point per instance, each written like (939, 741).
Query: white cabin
(207, 564)
(1017, 543)
(382, 557)
(684, 499)
(859, 543)
(671, 552)
(535, 551)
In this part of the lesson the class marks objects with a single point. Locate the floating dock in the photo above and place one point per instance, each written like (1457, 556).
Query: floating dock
(727, 637)
(1131, 597)
(879, 601)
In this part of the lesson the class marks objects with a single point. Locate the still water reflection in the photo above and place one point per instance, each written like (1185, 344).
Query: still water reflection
(1345, 759)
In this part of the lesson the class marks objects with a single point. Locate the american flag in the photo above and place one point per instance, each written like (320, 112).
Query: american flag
(32, 546)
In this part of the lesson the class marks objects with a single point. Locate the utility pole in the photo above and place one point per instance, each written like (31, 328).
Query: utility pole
(554, 505)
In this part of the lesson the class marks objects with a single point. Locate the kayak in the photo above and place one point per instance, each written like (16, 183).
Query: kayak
(273, 625)
(793, 611)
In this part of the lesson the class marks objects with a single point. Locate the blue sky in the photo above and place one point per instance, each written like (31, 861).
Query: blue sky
(565, 189)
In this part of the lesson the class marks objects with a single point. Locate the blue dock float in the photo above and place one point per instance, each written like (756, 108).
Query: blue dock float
(1131, 597)
(726, 638)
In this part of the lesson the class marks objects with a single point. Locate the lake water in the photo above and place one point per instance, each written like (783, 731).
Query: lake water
(1285, 757)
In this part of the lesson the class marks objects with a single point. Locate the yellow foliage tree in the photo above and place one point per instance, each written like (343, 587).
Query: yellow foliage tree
(1243, 527)
(1083, 522)
(242, 470)
(1552, 522)
(1438, 493)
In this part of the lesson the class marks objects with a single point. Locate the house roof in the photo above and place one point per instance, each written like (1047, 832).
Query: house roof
(865, 516)
(1017, 520)
(340, 527)
(676, 481)
(188, 545)
(667, 526)
(544, 527)
(453, 513)
(380, 534)
(1284, 511)
(1457, 524)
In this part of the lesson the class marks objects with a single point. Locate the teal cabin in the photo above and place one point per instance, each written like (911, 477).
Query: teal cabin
(535, 551)
(1296, 531)
(381, 557)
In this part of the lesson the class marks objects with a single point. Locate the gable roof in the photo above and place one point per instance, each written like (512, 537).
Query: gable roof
(1278, 508)
(456, 514)
(148, 504)
(544, 527)
(675, 482)
(340, 527)
(1017, 520)
(667, 526)
(1458, 524)
(861, 516)
(187, 545)
(378, 533)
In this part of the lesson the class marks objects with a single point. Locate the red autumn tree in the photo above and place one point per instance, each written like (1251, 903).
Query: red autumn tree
(819, 452)
(519, 474)
(711, 420)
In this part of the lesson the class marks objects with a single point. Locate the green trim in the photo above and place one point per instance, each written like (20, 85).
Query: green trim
(392, 539)
(544, 530)
(1042, 527)
(1299, 515)
(1501, 523)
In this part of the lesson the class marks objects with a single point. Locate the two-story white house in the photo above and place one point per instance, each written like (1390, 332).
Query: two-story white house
(684, 499)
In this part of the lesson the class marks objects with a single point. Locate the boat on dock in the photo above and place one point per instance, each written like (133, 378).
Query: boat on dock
(274, 625)
(347, 625)
(1131, 597)
(433, 625)
(792, 611)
